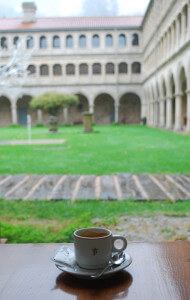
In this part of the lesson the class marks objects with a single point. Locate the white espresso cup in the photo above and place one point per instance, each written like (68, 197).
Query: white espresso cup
(94, 247)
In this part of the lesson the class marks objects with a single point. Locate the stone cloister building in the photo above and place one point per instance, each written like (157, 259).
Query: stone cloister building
(122, 68)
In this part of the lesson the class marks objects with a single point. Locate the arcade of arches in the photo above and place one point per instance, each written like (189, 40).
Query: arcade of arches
(168, 104)
(105, 109)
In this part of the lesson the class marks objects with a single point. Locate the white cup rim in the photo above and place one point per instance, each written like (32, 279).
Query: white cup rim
(92, 228)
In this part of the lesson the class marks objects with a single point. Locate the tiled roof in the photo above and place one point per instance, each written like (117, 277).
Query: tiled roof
(72, 23)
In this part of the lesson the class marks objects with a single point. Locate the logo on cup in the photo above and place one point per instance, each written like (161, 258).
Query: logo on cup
(95, 251)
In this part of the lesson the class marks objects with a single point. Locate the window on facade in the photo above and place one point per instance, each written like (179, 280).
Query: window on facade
(31, 70)
(56, 42)
(109, 40)
(180, 27)
(44, 70)
(43, 42)
(122, 40)
(82, 41)
(69, 41)
(135, 39)
(185, 11)
(136, 67)
(3, 43)
(174, 32)
(109, 68)
(83, 69)
(57, 70)
(70, 69)
(95, 40)
(123, 68)
(16, 41)
(29, 42)
(96, 68)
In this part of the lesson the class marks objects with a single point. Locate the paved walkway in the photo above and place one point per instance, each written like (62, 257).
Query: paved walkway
(33, 142)
(105, 187)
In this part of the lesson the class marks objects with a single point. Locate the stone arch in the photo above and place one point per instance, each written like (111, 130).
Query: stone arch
(104, 112)
(157, 105)
(5, 111)
(129, 109)
(172, 90)
(150, 105)
(24, 109)
(76, 111)
(183, 89)
(164, 93)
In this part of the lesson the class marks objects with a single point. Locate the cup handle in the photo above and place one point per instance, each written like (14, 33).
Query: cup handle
(119, 237)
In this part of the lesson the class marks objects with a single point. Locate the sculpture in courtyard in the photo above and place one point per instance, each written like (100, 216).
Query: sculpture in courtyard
(51, 103)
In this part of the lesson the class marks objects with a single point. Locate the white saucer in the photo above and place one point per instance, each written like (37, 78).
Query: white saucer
(86, 274)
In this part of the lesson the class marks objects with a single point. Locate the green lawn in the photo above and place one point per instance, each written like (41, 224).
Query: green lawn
(47, 221)
(112, 149)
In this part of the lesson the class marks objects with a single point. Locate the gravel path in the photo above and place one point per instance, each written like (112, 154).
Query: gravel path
(153, 229)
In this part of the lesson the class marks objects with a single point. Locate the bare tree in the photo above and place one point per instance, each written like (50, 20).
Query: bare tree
(15, 71)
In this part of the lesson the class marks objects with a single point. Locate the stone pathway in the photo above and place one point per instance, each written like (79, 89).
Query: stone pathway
(33, 142)
(105, 187)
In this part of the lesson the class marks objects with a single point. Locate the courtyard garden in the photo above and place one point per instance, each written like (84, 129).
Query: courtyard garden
(110, 150)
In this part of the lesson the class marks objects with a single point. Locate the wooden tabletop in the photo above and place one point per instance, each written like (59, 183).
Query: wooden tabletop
(158, 271)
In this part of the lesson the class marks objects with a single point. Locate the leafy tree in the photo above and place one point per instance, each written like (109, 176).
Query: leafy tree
(99, 7)
(51, 103)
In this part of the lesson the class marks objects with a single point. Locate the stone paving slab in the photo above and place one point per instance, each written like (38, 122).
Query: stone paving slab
(152, 190)
(10, 183)
(44, 189)
(66, 188)
(24, 189)
(182, 181)
(87, 188)
(105, 187)
(128, 187)
(33, 142)
(172, 188)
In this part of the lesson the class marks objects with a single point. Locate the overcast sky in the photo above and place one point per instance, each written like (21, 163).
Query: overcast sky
(12, 8)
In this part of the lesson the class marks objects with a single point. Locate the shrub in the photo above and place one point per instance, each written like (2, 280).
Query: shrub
(39, 125)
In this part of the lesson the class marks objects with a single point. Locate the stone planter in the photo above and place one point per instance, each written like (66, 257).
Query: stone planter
(52, 124)
(87, 122)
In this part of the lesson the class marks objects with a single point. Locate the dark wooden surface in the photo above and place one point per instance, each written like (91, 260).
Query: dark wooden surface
(158, 271)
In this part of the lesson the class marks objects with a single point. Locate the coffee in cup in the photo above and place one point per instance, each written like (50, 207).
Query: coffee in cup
(94, 247)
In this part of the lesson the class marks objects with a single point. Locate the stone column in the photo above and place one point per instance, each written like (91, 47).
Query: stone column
(162, 122)
(169, 112)
(77, 72)
(149, 114)
(65, 115)
(91, 109)
(152, 113)
(14, 113)
(143, 110)
(116, 113)
(39, 115)
(178, 111)
(188, 111)
(155, 114)
(177, 35)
